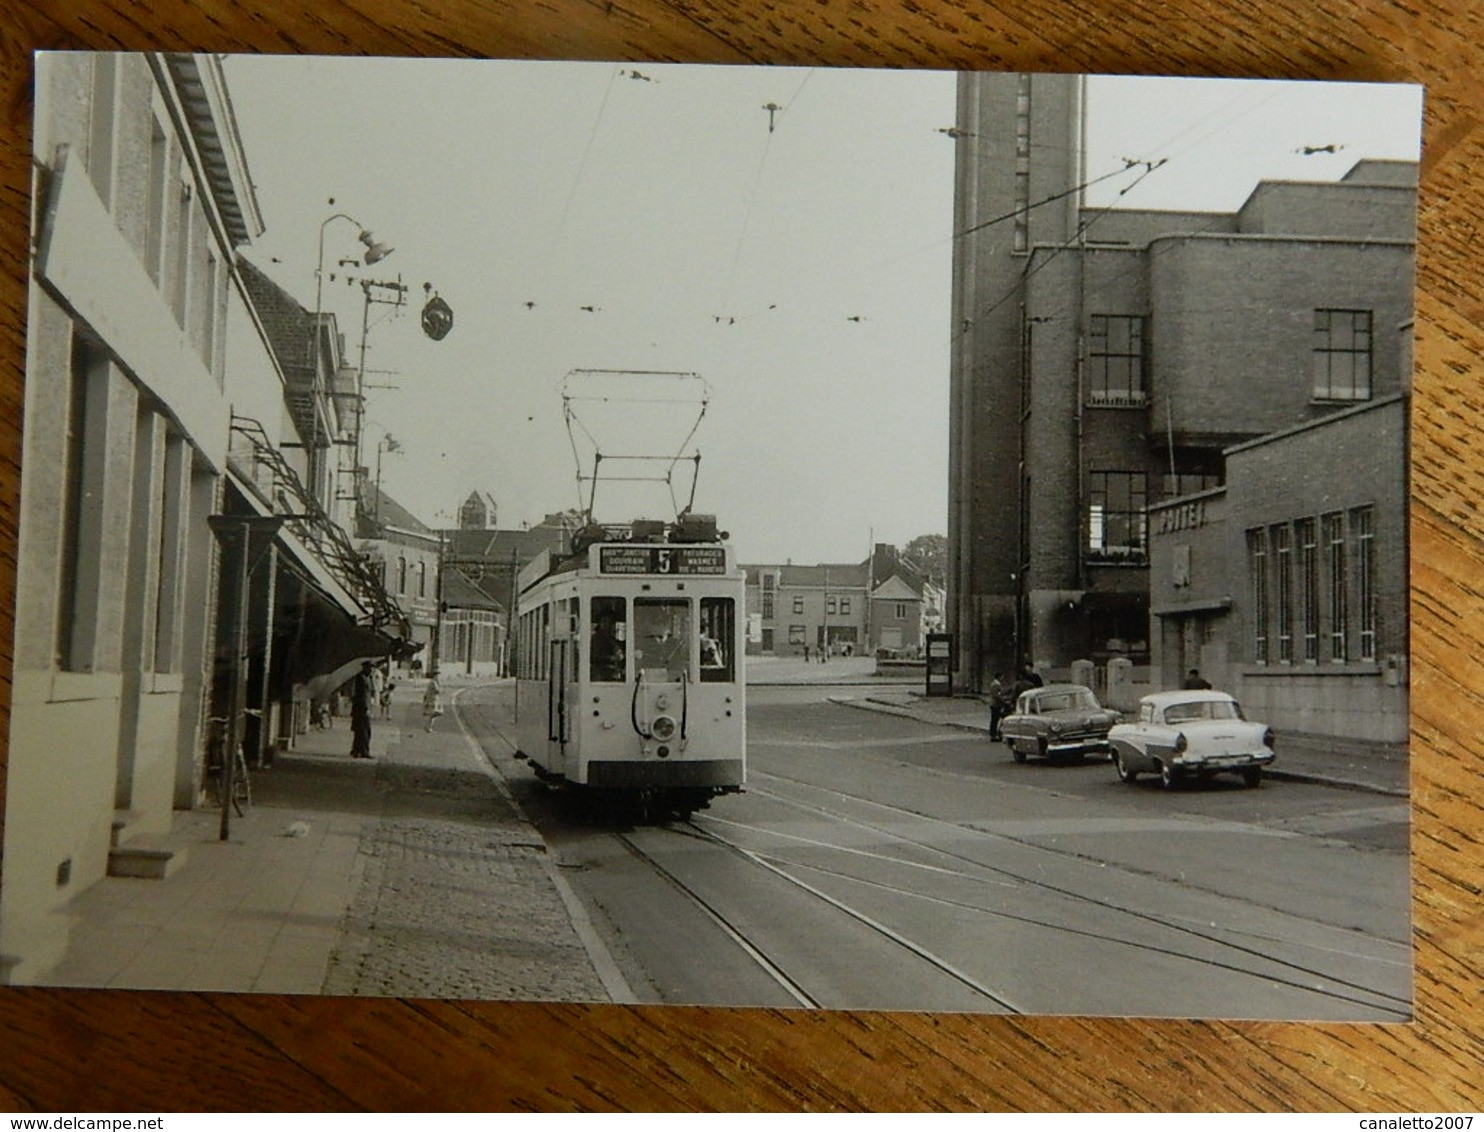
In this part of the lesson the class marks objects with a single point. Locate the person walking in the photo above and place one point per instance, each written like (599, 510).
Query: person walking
(362, 697)
(432, 699)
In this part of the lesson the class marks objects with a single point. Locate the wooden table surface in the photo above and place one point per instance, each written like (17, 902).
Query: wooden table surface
(63, 1051)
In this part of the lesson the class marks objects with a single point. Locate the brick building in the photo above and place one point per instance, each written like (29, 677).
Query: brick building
(1106, 360)
(1290, 589)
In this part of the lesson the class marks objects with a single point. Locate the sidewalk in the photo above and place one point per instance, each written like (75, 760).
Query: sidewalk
(412, 873)
(1353, 764)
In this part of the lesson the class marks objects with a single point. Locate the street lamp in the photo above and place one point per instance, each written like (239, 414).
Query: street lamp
(375, 252)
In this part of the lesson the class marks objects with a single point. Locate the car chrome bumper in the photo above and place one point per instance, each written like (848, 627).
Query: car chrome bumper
(1224, 762)
(1064, 746)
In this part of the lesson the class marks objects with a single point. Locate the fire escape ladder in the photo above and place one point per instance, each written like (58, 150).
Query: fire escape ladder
(312, 525)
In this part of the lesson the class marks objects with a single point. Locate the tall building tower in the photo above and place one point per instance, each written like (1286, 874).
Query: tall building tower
(1019, 144)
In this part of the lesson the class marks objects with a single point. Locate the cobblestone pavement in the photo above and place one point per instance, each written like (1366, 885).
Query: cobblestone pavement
(454, 911)
(456, 897)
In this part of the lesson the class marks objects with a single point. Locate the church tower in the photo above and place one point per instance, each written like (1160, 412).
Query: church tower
(478, 512)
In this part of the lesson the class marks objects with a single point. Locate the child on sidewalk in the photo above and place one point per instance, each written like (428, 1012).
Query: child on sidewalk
(432, 699)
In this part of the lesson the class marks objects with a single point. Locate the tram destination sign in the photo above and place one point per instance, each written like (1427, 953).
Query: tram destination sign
(662, 560)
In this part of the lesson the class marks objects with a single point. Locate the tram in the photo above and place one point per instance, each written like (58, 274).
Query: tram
(629, 665)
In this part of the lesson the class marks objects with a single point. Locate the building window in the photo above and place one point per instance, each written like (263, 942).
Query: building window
(175, 466)
(1257, 578)
(81, 535)
(1173, 486)
(206, 316)
(181, 231)
(1308, 567)
(1333, 536)
(422, 579)
(1115, 361)
(155, 218)
(1362, 530)
(844, 607)
(1115, 517)
(401, 574)
(1342, 355)
(900, 611)
(829, 604)
(798, 603)
(100, 124)
(769, 583)
(1283, 553)
(796, 634)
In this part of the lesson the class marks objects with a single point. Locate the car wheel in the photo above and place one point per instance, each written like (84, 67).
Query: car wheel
(1124, 773)
(1252, 777)
(1169, 777)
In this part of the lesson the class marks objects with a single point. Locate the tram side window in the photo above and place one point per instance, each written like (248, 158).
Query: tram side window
(662, 636)
(544, 655)
(718, 633)
(610, 632)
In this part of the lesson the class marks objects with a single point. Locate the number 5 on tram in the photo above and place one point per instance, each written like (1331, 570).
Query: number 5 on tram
(629, 663)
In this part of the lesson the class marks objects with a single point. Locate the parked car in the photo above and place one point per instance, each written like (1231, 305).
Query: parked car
(1191, 734)
(1057, 721)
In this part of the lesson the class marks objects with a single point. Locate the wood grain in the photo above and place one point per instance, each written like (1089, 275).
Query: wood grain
(143, 1051)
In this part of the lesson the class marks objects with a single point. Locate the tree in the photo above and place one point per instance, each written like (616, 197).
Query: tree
(928, 555)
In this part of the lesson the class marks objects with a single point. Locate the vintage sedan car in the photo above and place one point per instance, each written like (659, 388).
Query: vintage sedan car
(1058, 721)
(1191, 734)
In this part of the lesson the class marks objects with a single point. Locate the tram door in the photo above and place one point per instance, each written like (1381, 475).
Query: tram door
(557, 727)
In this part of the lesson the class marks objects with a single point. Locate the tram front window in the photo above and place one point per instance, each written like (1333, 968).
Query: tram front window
(662, 636)
(717, 633)
(610, 640)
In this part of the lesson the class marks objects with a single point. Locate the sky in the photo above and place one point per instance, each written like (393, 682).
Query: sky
(599, 228)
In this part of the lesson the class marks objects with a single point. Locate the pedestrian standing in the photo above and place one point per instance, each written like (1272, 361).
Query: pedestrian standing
(432, 699)
(997, 695)
(362, 697)
(1194, 681)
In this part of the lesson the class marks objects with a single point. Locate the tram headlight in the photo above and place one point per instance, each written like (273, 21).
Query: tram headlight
(663, 728)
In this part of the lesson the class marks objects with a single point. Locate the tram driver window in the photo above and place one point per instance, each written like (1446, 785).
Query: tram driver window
(662, 636)
(610, 640)
(718, 628)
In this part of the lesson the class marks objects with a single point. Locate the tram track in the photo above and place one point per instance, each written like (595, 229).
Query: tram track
(1288, 972)
(775, 968)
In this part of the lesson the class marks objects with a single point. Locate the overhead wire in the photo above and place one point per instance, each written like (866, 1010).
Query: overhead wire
(774, 116)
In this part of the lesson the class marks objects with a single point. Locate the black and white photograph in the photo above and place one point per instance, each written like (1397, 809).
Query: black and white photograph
(808, 538)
